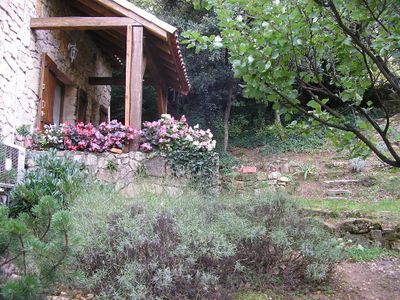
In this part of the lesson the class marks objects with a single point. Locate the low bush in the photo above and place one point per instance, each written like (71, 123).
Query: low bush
(276, 139)
(53, 176)
(190, 247)
(40, 244)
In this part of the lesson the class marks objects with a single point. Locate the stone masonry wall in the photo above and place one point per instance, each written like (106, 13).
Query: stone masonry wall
(131, 173)
(20, 63)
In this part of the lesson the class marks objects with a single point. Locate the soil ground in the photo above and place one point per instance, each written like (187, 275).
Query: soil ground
(378, 280)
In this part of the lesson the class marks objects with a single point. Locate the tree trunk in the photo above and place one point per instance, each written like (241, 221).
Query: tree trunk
(278, 117)
(227, 115)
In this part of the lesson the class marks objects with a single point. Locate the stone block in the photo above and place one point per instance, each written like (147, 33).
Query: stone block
(358, 226)
(247, 169)
(106, 176)
(395, 245)
(246, 177)
(284, 168)
(262, 176)
(376, 236)
(274, 175)
(134, 165)
(337, 193)
(155, 167)
(91, 160)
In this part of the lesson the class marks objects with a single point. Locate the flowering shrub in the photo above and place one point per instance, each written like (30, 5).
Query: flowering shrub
(83, 137)
(168, 134)
(188, 149)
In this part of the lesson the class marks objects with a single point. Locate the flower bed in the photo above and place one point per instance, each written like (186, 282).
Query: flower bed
(83, 137)
(165, 135)
(169, 134)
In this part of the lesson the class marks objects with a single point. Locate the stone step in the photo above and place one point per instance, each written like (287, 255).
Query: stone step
(342, 182)
(336, 198)
(337, 193)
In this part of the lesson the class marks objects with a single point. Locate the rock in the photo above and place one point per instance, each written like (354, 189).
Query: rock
(376, 236)
(78, 158)
(247, 169)
(262, 176)
(134, 165)
(274, 175)
(342, 181)
(359, 239)
(337, 193)
(284, 169)
(91, 160)
(284, 179)
(89, 296)
(358, 226)
(246, 177)
(390, 235)
(395, 245)
(155, 167)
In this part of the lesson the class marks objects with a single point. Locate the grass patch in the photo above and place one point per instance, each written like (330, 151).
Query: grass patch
(257, 296)
(362, 254)
(383, 206)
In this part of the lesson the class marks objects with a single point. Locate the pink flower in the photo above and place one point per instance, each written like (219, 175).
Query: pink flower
(146, 147)
(183, 118)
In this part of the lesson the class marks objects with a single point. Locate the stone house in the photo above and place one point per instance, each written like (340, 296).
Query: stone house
(57, 58)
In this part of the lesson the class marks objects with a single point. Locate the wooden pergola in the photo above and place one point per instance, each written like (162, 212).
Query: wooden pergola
(131, 37)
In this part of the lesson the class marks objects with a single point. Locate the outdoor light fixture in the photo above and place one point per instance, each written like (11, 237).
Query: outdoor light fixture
(73, 52)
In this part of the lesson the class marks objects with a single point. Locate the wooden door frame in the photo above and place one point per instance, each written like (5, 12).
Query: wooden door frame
(48, 65)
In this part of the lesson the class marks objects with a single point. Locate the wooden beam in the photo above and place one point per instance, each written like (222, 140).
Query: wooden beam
(81, 23)
(106, 80)
(115, 81)
(134, 80)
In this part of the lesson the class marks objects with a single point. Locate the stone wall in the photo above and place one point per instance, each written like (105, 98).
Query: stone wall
(20, 63)
(131, 173)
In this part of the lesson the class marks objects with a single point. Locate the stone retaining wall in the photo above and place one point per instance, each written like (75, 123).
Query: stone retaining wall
(131, 173)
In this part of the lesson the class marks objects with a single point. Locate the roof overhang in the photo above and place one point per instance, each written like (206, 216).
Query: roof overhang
(159, 36)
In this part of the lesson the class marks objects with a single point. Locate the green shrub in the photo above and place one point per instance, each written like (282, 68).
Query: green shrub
(158, 247)
(275, 139)
(53, 176)
(293, 140)
(40, 244)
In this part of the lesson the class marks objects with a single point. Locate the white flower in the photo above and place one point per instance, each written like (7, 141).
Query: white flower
(196, 126)
(166, 116)
(189, 138)
(218, 42)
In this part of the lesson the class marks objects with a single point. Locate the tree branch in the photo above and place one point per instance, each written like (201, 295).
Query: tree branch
(379, 62)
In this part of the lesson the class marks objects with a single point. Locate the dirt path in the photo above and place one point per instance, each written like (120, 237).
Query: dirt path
(379, 280)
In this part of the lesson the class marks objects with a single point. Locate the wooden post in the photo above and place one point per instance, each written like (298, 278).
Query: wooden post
(134, 80)
(161, 100)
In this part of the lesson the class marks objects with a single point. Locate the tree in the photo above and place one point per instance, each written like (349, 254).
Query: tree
(324, 51)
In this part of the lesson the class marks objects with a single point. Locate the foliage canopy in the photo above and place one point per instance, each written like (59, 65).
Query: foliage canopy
(304, 56)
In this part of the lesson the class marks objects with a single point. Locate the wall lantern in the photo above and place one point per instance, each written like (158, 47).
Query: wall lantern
(72, 52)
